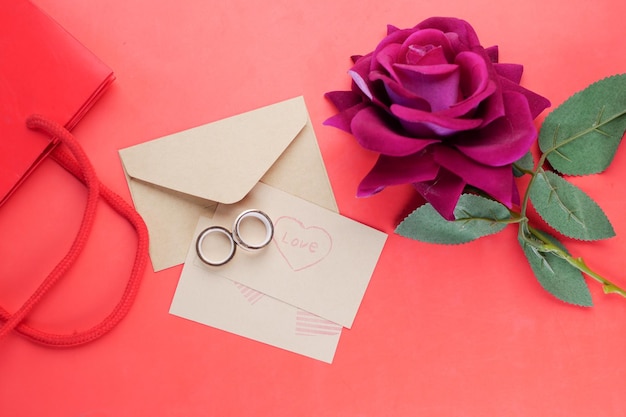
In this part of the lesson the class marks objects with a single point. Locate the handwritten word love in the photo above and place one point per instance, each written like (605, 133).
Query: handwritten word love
(302, 247)
(300, 243)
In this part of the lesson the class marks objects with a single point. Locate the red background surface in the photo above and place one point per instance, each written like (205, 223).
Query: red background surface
(442, 331)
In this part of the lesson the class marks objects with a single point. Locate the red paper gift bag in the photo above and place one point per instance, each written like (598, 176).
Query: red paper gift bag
(48, 81)
(43, 70)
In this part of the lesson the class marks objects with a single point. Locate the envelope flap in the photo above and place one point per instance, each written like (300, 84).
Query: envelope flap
(219, 161)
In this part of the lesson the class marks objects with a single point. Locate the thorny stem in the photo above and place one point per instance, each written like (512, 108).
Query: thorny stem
(578, 263)
(544, 244)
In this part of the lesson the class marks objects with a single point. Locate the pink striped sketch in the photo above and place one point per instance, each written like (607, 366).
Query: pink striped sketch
(251, 295)
(308, 324)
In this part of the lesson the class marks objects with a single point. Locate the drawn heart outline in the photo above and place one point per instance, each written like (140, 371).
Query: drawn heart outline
(301, 246)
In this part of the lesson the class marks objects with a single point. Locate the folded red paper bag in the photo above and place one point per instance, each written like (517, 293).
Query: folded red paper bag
(43, 70)
(48, 80)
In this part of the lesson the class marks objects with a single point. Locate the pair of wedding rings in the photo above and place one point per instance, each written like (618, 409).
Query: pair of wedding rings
(234, 238)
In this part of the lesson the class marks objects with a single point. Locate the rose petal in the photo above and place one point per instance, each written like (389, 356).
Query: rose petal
(361, 83)
(355, 58)
(512, 72)
(430, 55)
(428, 37)
(514, 193)
(395, 37)
(474, 73)
(505, 140)
(391, 29)
(400, 95)
(372, 133)
(443, 193)
(343, 120)
(359, 74)
(492, 53)
(495, 181)
(477, 87)
(437, 84)
(388, 171)
(467, 38)
(492, 107)
(440, 70)
(343, 100)
(536, 103)
(421, 122)
(385, 58)
(483, 99)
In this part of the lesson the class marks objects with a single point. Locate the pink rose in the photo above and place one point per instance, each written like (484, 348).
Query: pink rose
(442, 113)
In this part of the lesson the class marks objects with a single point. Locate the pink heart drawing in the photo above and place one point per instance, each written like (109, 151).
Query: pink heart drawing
(302, 247)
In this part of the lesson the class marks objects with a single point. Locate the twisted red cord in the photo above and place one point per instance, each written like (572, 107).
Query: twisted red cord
(74, 160)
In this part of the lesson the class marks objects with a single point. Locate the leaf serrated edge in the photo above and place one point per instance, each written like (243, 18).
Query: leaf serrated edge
(493, 222)
(406, 218)
(574, 237)
(594, 127)
(544, 261)
(583, 90)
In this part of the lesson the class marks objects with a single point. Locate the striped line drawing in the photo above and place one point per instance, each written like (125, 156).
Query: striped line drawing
(251, 295)
(308, 324)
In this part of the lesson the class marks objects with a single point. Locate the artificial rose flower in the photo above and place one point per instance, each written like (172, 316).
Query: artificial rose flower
(442, 113)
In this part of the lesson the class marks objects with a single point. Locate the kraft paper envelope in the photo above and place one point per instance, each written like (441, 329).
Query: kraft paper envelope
(318, 260)
(222, 303)
(176, 179)
(299, 291)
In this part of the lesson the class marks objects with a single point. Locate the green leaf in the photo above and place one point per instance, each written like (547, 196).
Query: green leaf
(475, 217)
(568, 209)
(556, 275)
(524, 164)
(581, 136)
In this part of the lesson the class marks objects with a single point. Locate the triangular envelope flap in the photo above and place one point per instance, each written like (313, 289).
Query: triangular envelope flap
(219, 161)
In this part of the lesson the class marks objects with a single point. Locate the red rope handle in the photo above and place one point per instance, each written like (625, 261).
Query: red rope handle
(75, 161)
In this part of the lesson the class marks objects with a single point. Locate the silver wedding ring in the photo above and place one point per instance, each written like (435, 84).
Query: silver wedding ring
(264, 218)
(234, 238)
(206, 232)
